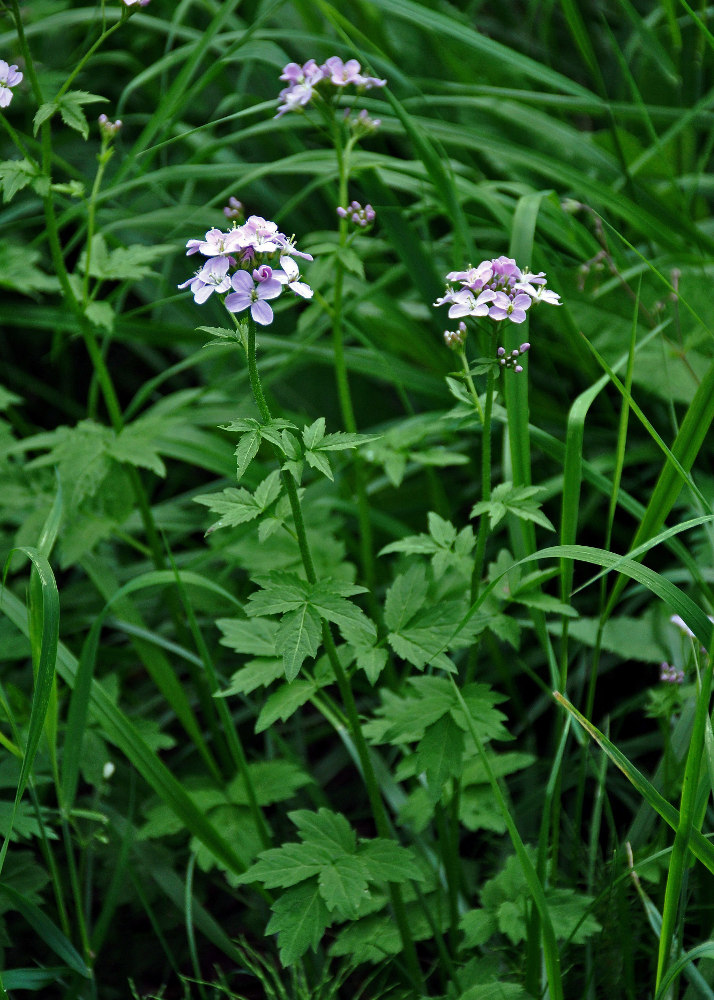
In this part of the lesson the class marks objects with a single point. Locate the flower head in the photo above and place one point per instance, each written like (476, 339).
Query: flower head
(10, 76)
(670, 675)
(304, 81)
(234, 210)
(242, 263)
(357, 215)
(108, 128)
(496, 288)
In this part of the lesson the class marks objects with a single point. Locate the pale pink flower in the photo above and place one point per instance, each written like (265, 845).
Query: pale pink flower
(249, 295)
(10, 76)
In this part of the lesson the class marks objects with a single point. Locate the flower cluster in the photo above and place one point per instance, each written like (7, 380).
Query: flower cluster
(107, 127)
(303, 81)
(496, 288)
(357, 215)
(136, 3)
(511, 360)
(670, 675)
(234, 209)
(10, 76)
(455, 339)
(239, 266)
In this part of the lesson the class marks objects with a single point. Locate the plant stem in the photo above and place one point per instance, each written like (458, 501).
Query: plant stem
(343, 386)
(483, 526)
(368, 775)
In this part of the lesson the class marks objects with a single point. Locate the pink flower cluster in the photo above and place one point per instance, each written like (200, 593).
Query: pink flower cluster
(239, 266)
(357, 215)
(303, 80)
(498, 289)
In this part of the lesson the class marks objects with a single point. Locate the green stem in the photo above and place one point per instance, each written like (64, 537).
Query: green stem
(550, 946)
(483, 526)
(348, 701)
(343, 386)
(88, 55)
(103, 158)
(680, 849)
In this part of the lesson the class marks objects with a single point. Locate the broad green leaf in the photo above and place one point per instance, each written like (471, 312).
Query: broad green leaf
(255, 674)
(387, 861)
(284, 702)
(246, 450)
(325, 827)
(440, 753)
(509, 499)
(405, 597)
(16, 175)
(280, 592)
(313, 434)
(298, 637)
(282, 867)
(299, 918)
(255, 636)
(343, 886)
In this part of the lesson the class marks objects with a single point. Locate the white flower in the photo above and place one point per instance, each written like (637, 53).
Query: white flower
(290, 276)
(9, 77)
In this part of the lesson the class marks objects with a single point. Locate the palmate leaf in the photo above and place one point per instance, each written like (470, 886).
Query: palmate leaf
(443, 544)
(123, 263)
(326, 876)
(281, 592)
(426, 636)
(252, 432)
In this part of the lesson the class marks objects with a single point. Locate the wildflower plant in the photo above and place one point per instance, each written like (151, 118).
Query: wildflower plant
(326, 601)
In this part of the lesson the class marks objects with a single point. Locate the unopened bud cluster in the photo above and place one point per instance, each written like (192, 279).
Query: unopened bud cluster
(670, 674)
(234, 210)
(107, 127)
(455, 339)
(511, 360)
(357, 215)
(362, 124)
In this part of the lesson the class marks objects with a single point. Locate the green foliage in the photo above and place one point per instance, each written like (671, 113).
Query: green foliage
(70, 107)
(176, 701)
(327, 875)
(302, 607)
(509, 499)
(505, 900)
